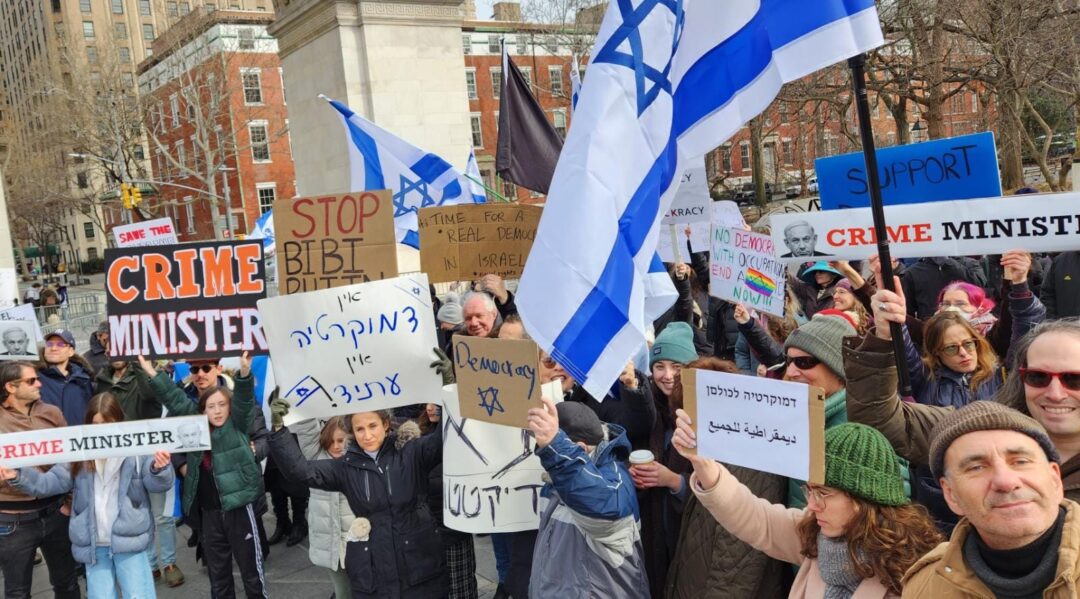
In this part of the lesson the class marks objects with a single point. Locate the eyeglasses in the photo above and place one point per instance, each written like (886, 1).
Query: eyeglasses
(30, 380)
(818, 494)
(56, 344)
(203, 368)
(801, 362)
(1041, 379)
(953, 349)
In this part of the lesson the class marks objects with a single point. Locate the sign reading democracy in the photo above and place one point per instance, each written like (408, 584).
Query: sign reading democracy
(1036, 223)
(491, 477)
(334, 240)
(463, 242)
(768, 425)
(194, 300)
(356, 348)
(98, 441)
(743, 269)
(498, 379)
(159, 231)
(956, 168)
(691, 201)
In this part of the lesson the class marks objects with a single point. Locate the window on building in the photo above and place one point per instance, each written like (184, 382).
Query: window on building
(788, 151)
(555, 73)
(267, 194)
(252, 80)
(210, 6)
(196, 162)
(84, 6)
(522, 45)
(120, 31)
(91, 54)
(957, 103)
(174, 110)
(890, 138)
(81, 180)
(124, 54)
(185, 7)
(477, 134)
(281, 80)
(744, 156)
(470, 84)
(246, 37)
(189, 213)
(91, 253)
(56, 6)
(493, 44)
(88, 30)
(139, 152)
(558, 119)
(118, 7)
(181, 156)
(171, 9)
(466, 44)
(974, 102)
(148, 32)
(526, 72)
(260, 142)
(509, 190)
(783, 109)
(496, 81)
(144, 7)
(725, 158)
(88, 230)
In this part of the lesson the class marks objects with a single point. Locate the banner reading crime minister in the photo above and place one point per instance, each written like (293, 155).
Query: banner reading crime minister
(194, 300)
(97, 441)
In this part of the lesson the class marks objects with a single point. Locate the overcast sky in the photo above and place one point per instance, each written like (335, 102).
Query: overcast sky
(483, 9)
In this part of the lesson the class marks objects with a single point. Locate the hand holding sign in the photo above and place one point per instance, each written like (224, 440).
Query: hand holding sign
(888, 307)
(1017, 264)
(685, 442)
(147, 366)
(628, 378)
(245, 365)
(493, 285)
(8, 473)
(161, 460)
(544, 422)
(742, 315)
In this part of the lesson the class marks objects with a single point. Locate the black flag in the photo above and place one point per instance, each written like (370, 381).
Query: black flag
(528, 145)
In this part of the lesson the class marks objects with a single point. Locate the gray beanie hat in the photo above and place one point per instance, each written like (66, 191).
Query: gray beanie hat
(984, 416)
(823, 338)
(451, 313)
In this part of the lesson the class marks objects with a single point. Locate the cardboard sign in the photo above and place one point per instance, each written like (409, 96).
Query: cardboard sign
(351, 349)
(491, 475)
(956, 168)
(1036, 223)
(159, 231)
(743, 269)
(764, 424)
(18, 340)
(461, 243)
(23, 312)
(193, 300)
(335, 240)
(498, 379)
(98, 441)
(691, 201)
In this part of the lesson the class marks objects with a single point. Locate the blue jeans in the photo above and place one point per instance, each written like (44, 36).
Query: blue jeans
(129, 571)
(18, 542)
(500, 543)
(165, 537)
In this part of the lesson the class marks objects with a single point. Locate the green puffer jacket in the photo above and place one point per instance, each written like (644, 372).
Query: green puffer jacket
(236, 473)
(132, 391)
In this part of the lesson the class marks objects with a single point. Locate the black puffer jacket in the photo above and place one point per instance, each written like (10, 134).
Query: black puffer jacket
(633, 409)
(924, 280)
(403, 557)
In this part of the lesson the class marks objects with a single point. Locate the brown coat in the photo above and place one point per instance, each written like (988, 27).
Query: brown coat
(41, 416)
(943, 574)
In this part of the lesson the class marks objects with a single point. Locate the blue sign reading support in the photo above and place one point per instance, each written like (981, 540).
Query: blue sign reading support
(957, 168)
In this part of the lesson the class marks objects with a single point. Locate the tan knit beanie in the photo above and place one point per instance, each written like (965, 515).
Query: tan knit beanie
(983, 416)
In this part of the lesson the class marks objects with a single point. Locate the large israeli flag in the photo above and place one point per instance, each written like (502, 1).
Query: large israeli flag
(669, 80)
(380, 160)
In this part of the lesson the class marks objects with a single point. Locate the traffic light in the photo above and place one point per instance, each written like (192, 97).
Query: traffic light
(136, 195)
(125, 195)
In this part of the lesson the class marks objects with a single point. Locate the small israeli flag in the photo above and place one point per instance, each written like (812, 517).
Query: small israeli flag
(472, 174)
(575, 82)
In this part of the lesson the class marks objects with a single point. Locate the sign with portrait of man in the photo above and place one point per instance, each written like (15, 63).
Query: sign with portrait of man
(18, 340)
(801, 240)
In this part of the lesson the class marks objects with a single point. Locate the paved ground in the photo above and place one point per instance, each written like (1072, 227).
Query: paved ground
(288, 570)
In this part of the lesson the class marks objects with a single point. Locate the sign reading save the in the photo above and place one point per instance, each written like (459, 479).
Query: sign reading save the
(957, 168)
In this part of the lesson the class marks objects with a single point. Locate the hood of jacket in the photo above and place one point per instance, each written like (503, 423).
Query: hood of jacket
(95, 345)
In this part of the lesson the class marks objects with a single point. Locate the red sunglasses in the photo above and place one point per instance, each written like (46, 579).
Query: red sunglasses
(1041, 379)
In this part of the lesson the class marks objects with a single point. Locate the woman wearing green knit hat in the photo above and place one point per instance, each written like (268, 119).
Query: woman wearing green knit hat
(857, 535)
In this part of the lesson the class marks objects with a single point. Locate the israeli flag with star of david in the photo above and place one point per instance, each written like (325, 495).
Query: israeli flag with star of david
(669, 80)
(472, 175)
(417, 179)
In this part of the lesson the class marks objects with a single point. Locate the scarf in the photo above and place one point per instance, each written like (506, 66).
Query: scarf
(983, 320)
(837, 571)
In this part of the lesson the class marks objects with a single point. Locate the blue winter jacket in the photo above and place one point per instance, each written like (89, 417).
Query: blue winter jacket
(589, 541)
(70, 393)
(133, 529)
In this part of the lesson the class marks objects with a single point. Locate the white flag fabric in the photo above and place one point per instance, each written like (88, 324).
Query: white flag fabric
(669, 80)
(472, 175)
(575, 82)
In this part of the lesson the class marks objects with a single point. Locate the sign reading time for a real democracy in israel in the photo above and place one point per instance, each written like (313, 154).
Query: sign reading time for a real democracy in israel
(97, 441)
(1036, 223)
(191, 300)
(957, 168)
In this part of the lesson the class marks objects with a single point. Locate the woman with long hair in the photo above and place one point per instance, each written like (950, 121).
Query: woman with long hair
(844, 300)
(858, 533)
(111, 521)
(957, 365)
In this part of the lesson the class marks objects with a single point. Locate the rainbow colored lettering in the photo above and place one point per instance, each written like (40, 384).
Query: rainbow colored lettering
(759, 282)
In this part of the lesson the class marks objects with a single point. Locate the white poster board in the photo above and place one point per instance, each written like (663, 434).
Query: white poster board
(491, 477)
(357, 348)
(691, 201)
(18, 340)
(9, 287)
(97, 441)
(744, 270)
(765, 424)
(159, 231)
(24, 312)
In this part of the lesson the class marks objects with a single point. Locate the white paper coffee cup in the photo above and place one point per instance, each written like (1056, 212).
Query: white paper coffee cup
(641, 457)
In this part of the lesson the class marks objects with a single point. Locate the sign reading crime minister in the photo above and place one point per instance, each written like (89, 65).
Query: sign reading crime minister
(193, 300)
(334, 240)
(463, 242)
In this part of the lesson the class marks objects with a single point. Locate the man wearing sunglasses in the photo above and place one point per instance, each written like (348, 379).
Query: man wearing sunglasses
(29, 523)
(65, 379)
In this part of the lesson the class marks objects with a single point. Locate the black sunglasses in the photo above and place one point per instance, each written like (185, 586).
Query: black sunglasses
(801, 362)
(1041, 379)
(204, 368)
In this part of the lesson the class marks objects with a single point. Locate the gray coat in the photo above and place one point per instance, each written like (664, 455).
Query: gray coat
(133, 529)
(329, 516)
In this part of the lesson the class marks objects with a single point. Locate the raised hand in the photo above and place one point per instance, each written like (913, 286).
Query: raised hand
(544, 422)
(147, 366)
(245, 365)
(888, 307)
(161, 460)
(684, 440)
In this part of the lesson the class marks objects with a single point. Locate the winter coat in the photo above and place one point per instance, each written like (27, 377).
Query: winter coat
(328, 515)
(772, 528)
(723, 329)
(237, 474)
(70, 393)
(946, 387)
(943, 573)
(633, 410)
(995, 276)
(40, 416)
(403, 556)
(132, 391)
(768, 351)
(812, 298)
(1061, 287)
(588, 543)
(925, 279)
(96, 356)
(133, 529)
(712, 563)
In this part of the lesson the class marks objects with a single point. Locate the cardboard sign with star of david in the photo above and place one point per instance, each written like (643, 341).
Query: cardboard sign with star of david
(498, 380)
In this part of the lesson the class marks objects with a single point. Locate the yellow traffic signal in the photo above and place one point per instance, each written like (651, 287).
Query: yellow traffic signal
(125, 195)
(136, 195)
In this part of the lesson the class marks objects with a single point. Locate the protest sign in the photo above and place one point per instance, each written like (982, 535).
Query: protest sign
(1036, 223)
(356, 348)
(23, 312)
(743, 269)
(334, 240)
(194, 300)
(672, 242)
(97, 441)
(956, 168)
(491, 477)
(691, 201)
(159, 231)
(18, 340)
(497, 378)
(768, 425)
(463, 242)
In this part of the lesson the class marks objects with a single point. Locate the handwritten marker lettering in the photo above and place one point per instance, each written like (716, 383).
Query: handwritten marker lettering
(489, 400)
(465, 359)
